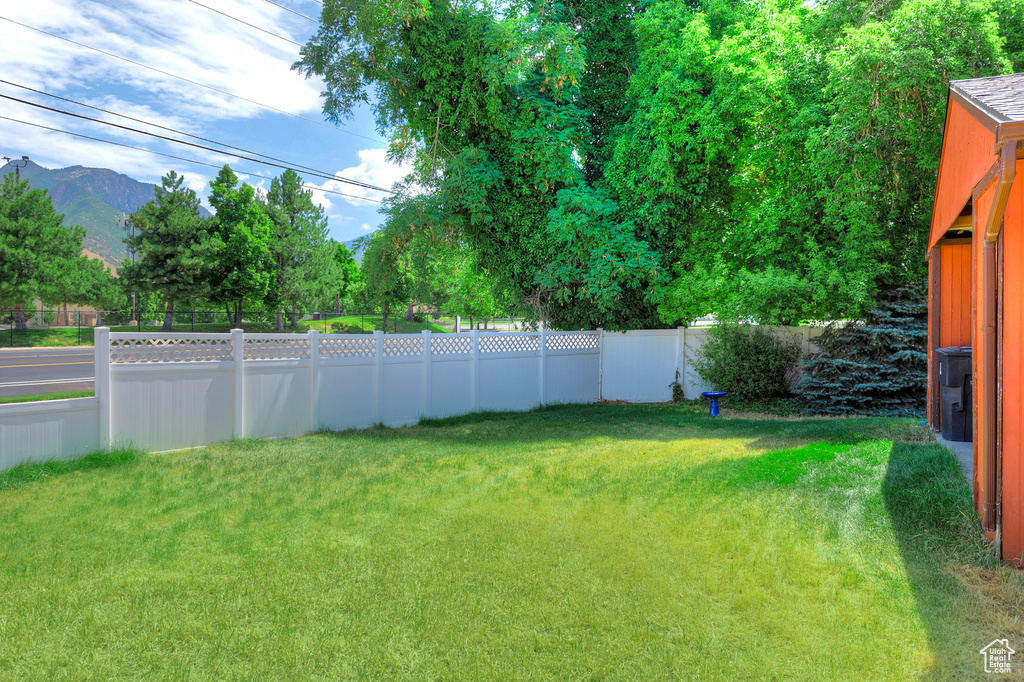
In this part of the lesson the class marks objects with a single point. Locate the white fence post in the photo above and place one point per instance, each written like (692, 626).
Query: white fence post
(475, 339)
(378, 336)
(681, 358)
(600, 363)
(427, 355)
(238, 408)
(458, 324)
(101, 362)
(543, 361)
(314, 379)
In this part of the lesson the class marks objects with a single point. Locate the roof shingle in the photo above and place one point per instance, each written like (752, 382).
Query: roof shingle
(1001, 97)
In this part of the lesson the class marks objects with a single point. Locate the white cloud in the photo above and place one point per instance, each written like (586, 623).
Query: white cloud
(177, 37)
(373, 169)
(365, 228)
(171, 35)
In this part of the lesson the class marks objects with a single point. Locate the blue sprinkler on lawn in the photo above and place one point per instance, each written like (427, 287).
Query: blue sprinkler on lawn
(714, 395)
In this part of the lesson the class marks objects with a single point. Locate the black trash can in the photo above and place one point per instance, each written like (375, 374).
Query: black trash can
(956, 384)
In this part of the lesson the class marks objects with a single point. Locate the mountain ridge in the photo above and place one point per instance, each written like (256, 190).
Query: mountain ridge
(96, 199)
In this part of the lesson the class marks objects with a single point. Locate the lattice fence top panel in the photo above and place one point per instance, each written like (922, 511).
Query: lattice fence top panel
(450, 345)
(573, 341)
(124, 351)
(403, 346)
(509, 343)
(276, 348)
(348, 348)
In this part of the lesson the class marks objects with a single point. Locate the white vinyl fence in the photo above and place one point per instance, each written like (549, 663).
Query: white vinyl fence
(640, 366)
(170, 391)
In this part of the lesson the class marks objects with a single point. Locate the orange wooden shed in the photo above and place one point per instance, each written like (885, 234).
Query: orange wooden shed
(976, 288)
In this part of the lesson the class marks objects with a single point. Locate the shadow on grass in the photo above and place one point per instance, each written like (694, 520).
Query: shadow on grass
(930, 505)
(38, 471)
(664, 423)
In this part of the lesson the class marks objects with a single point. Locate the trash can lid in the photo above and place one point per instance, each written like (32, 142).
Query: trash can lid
(954, 350)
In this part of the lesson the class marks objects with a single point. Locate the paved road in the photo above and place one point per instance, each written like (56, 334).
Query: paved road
(30, 371)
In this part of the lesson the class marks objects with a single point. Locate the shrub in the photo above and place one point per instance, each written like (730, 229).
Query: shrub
(878, 366)
(748, 361)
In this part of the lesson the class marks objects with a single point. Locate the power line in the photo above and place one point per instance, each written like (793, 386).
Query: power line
(289, 9)
(170, 156)
(189, 80)
(179, 132)
(241, 21)
(320, 174)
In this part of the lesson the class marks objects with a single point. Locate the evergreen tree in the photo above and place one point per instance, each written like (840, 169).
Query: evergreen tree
(302, 252)
(878, 366)
(242, 266)
(172, 246)
(35, 246)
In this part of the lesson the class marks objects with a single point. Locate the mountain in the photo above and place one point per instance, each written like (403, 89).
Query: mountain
(357, 253)
(95, 199)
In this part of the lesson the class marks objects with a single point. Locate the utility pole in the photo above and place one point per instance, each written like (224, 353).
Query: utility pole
(17, 168)
(127, 224)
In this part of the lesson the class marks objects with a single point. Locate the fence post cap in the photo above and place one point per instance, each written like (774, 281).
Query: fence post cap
(425, 331)
(237, 331)
(313, 332)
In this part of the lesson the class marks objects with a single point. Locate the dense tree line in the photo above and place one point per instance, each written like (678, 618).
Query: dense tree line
(258, 253)
(628, 163)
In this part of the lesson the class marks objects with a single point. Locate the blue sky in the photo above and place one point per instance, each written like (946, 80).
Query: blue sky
(183, 38)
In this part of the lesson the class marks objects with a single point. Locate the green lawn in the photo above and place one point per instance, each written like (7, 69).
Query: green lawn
(46, 396)
(599, 542)
(346, 324)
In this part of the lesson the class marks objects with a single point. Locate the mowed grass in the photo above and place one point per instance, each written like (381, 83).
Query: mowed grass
(63, 395)
(599, 542)
(344, 324)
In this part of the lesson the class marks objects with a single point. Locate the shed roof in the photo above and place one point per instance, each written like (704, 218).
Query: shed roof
(1001, 97)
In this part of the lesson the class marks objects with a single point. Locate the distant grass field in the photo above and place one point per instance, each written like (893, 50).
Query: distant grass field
(346, 324)
(599, 542)
(46, 396)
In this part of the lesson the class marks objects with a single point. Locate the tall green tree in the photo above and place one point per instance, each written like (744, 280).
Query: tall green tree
(173, 246)
(81, 281)
(387, 275)
(485, 101)
(784, 153)
(35, 246)
(242, 265)
(300, 247)
(349, 275)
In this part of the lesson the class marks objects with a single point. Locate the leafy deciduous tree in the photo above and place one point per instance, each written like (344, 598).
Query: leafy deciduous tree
(242, 264)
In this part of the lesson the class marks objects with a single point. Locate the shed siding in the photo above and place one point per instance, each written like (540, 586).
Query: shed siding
(955, 295)
(1012, 438)
(968, 152)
